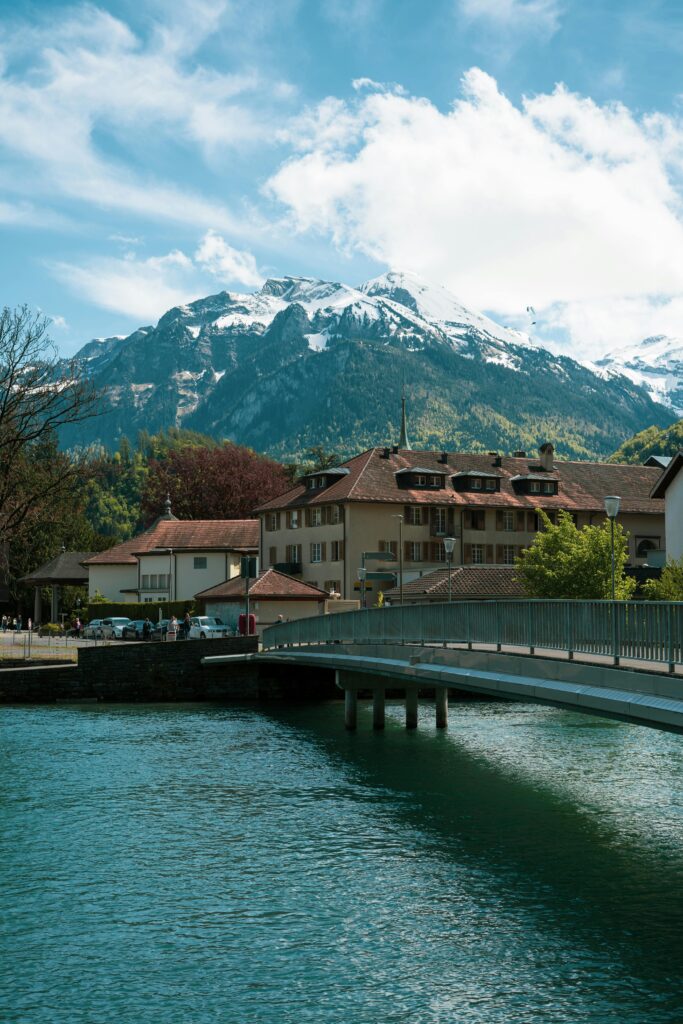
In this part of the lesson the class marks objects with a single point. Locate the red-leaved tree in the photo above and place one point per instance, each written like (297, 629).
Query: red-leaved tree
(227, 482)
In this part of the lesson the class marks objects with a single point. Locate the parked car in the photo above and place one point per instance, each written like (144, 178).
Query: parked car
(159, 630)
(112, 629)
(133, 630)
(206, 627)
(93, 630)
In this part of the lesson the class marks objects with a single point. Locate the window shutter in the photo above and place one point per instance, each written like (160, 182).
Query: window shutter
(499, 554)
(518, 551)
(530, 522)
(468, 519)
(450, 519)
(489, 554)
(273, 555)
(323, 551)
(407, 551)
(341, 550)
(307, 516)
(381, 546)
(520, 520)
(499, 520)
(406, 513)
(467, 557)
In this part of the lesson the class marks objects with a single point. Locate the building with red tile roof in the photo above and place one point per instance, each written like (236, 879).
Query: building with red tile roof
(467, 583)
(404, 502)
(272, 596)
(172, 559)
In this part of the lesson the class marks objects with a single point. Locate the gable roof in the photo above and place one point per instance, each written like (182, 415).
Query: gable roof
(270, 585)
(372, 477)
(240, 535)
(659, 489)
(473, 582)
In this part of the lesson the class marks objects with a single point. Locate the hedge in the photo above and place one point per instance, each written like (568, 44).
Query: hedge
(136, 610)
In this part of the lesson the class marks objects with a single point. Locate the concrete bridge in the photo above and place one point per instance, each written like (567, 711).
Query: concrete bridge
(623, 660)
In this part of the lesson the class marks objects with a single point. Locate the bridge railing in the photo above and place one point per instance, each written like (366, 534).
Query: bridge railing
(646, 631)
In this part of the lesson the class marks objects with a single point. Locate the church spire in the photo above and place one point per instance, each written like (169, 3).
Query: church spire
(403, 442)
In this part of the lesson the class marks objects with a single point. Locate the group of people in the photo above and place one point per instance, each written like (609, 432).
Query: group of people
(16, 623)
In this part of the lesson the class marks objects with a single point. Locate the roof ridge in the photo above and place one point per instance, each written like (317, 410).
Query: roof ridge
(370, 452)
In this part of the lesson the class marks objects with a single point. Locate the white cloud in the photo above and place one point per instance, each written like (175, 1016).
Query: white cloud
(226, 263)
(78, 88)
(556, 203)
(514, 15)
(143, 289)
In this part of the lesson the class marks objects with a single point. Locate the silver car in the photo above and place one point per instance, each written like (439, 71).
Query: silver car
(113, 628)
(206, 627)
(93, 631)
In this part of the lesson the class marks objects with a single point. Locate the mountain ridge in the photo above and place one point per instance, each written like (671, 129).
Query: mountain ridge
(303, 361)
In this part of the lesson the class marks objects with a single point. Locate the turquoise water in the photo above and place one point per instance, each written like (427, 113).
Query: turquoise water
(199, 864)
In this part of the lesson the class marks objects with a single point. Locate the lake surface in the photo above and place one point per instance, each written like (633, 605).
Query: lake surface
(192, 863)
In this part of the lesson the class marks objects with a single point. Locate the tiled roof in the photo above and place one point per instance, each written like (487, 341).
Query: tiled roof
(665, 478)
(582, 485)
(66, 570)
(184, 535)
(474, 582)
(270, 585)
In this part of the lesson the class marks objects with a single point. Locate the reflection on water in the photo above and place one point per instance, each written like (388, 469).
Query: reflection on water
(193, 863)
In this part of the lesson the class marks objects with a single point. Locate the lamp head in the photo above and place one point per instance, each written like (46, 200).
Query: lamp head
(361, 573)
(612, 502)
(449, 545)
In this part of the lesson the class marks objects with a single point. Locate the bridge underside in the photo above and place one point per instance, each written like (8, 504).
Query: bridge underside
(645, 698)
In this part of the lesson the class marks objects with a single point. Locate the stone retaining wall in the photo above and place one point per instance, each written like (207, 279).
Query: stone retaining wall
(137, 673)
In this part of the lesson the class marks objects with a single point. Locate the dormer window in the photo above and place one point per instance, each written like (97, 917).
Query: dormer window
(490, 484)
(475, 483)
(477, 480)
(549, 487)
(532, 483)
(435, 481)
(534, 487)
(420, 480)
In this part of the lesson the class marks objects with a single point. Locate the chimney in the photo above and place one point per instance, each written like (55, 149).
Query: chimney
(546, 453)
(519, 455)
(498, 460)
(443, 458)
(385, 453)
(395, 449)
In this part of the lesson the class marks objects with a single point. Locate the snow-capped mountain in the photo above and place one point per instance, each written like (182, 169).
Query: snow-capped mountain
(304, 361)
(655, 364)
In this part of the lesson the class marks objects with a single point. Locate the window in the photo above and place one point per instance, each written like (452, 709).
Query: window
(508, 554)
(420, 480)
(272, 555)
(490, 484)
(549, 487)
(438, 551)
(293, 552)
(316, 552)
(200, 561)
(534, 486)
(435, 481)
(332, 586)
(272, 521)
(646, 544)
(475, 519)
(477, 554)
(336, 551)
(163, 580)
(475, 483)
(388, 545)
(412, 515)
(336, 514)
(508, 521)
(293, 519)
(438, 522)
(153, 581)
(414, 551)
(316, 516)
(145, 581)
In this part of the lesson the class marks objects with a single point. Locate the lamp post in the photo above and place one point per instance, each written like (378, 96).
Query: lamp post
(612, 503)
(400, 556)
(449, 545)
(361, 579)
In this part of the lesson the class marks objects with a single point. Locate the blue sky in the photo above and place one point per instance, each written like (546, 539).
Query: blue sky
(518, 151)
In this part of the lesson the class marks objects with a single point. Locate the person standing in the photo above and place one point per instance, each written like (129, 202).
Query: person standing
(147, 629)
(172, 630)
(187, 626)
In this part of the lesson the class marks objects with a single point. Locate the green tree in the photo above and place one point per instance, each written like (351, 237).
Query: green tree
(669, 586)
(565, 562)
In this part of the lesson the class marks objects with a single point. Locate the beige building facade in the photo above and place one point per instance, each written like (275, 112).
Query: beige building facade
(404, 503)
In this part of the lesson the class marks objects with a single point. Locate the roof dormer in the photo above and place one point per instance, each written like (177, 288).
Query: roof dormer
(419, 478)
(324, 478)
(535, 484)
(476, 480)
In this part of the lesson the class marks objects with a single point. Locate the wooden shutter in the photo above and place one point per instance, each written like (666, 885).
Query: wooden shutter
(499, 554)
(340, 548)
(406, 550)
(277, 520)
(520, 520)
(531, 522)
(499, 521)
(467, 556)
(273, 555)
(468, 519)
(489, 554)
(381, 545)
(450, 520)
(323, 551)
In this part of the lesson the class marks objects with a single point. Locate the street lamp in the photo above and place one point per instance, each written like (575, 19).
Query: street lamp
(400, 556)
(612, 502)
(361, 579)
(449, 544)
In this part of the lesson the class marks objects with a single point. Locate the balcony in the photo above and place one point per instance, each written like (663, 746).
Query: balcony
(289, 568)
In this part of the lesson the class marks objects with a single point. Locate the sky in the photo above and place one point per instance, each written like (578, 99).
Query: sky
(519, 152)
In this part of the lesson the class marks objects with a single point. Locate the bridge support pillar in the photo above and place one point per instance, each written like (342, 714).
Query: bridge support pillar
(441, 707)
(378, 702)
(411, 708)
(350, 708)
